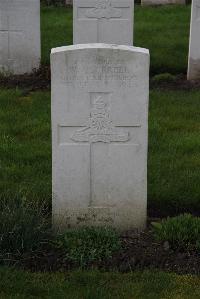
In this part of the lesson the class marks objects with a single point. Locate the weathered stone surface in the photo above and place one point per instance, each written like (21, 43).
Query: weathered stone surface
(99, 135)
(194, 48)
(103, 21)
(19, 36)
(162, 2)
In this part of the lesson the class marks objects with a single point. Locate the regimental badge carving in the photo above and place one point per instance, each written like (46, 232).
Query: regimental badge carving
(104, 9)
(100, 127)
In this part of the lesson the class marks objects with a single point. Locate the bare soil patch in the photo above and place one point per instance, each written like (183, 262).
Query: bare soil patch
(38, 80)
(143, 252)
(179, 82)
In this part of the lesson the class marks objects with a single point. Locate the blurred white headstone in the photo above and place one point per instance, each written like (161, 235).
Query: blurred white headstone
(19, 36)
(103, 21)
(194, 47)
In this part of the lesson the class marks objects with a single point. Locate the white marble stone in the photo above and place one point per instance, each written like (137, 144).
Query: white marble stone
(161, 2)
(194, 47)
(99, 135)
(103, 21)
(19, 36)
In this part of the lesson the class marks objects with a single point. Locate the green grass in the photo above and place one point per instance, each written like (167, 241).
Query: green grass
(182, 232)
(85, 246)
(174, 152)
(56, 29)
(174, 149)
(25, 148)
(25, 227)
(164, 30)
(96, 285)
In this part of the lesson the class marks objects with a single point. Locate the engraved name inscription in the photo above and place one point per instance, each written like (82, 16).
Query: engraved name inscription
(100, 70)
(100, 127)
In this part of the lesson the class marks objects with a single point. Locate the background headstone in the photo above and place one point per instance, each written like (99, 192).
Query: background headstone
(99, 135)
(194, 47)
(19, 36)
(69, 2)
(162, 2)
(103, 21)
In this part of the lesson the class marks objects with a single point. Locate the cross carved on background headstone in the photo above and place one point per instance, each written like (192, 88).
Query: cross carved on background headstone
(5, 28)
(103, 10)
(103, 21)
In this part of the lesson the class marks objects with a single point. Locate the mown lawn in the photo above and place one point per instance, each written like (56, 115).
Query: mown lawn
(174, 149)
(95, 285)
(174, 152)
(25, 145)
(164, 30)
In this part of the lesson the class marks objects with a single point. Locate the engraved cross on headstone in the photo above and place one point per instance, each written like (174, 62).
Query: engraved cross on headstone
(5, 28)
(99, 132)
(103, 10)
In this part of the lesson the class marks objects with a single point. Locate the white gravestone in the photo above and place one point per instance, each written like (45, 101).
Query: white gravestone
(194, 48)
(19, 36)
(99, 135)
(103, 21)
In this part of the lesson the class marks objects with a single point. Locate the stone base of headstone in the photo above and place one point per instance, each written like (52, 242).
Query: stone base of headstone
(99, 136)
(193, 69)
(117, 218)
(19, 36)
(162, 2)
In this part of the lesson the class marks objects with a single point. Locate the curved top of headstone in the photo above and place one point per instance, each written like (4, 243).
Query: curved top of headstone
(100, 46)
